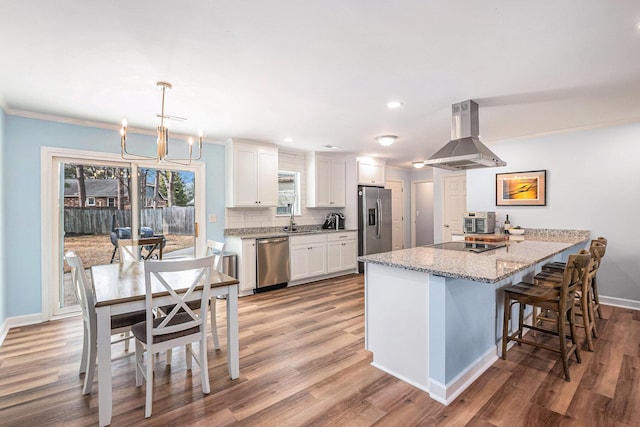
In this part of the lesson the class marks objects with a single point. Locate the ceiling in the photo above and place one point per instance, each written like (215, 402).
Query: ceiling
(322, 72)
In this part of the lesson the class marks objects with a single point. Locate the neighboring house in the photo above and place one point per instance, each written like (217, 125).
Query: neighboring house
(103, 193)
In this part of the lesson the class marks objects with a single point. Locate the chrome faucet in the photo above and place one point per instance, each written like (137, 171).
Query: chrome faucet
(291, 208)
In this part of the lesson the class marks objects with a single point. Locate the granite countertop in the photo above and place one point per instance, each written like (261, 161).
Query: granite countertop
(270, 232)
(487, 267)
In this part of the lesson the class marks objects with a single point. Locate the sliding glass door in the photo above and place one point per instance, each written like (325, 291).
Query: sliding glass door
(100, 199)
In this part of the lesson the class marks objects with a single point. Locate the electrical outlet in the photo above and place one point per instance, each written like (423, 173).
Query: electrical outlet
(213, 217)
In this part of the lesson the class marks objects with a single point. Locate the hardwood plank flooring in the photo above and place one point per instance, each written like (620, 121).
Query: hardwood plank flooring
(303, 363)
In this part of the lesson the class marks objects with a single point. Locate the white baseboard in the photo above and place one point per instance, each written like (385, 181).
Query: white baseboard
(17, 321)
(400, 377)
(446, 394)
(620, 302)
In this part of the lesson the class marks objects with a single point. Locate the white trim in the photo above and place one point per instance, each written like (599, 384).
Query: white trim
(446, 394)
(620, 302)
(17, 321)
(401, 377)
(50, 210)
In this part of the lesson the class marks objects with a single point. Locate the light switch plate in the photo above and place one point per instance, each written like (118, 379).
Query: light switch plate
(213, 217)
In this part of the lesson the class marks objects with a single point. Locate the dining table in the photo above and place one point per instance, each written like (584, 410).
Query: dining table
(120, 288)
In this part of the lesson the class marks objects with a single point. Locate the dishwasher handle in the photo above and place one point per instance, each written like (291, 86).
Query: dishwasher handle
(274, 240)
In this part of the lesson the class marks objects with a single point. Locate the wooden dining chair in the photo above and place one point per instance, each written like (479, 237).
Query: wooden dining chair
(560, 300)
(181, 325)
(133, 249)
(85, 294)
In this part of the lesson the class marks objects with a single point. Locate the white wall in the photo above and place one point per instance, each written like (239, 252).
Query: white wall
(592, 184)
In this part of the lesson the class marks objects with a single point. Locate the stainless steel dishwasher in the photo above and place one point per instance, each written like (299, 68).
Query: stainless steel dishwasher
(272, 259)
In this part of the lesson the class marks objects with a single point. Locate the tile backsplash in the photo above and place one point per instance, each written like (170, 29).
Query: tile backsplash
(266, 217)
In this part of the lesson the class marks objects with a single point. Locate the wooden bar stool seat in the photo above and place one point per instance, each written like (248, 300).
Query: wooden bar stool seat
(559, 300)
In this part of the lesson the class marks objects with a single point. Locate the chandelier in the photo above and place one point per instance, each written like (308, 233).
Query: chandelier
(163, 138)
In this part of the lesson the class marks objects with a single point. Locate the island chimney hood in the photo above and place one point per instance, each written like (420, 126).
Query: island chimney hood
(464, 151)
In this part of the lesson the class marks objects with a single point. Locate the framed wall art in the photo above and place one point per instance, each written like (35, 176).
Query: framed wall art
(521, 188)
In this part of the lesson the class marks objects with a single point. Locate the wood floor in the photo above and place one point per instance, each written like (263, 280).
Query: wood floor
(302, 362)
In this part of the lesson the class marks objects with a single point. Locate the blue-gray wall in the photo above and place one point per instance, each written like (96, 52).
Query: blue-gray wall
(3, 180)
(592, 179)
(23, 138)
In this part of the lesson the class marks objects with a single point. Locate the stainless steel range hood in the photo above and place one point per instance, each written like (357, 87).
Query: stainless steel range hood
(464, 151)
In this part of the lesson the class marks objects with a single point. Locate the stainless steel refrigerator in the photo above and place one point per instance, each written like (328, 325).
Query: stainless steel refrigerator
(374, 221)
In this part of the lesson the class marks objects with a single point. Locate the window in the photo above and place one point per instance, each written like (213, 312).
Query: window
(288, 193)
(91, 201)
(111, 202)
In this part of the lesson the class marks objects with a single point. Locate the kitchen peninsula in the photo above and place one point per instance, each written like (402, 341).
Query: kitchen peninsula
(433, 317)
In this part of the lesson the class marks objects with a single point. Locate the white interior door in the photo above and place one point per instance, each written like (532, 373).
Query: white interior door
(455, 204)
(397, 214)
(422, 213)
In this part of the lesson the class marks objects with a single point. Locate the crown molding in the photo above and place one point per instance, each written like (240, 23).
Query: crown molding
(93, 124)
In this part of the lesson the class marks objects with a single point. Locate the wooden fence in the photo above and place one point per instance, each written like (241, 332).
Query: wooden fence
(174, 220)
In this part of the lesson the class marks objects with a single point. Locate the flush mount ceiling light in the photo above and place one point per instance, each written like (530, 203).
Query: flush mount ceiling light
(163, 138)
(288, 139)
(386, 140)
(394, 104)
(333, 147)
(418, 165)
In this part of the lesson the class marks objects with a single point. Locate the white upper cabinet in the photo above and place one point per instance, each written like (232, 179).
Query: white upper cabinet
(371, 172)
(326, 181)
(251, 175)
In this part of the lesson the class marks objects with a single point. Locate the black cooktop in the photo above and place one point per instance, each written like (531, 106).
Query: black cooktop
(467, 246)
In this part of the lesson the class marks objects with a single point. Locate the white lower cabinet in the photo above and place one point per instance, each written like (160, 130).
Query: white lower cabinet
(307, 256)
(341, 251)
(245, 250)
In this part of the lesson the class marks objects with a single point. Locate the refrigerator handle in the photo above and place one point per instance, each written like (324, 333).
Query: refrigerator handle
(379, 212)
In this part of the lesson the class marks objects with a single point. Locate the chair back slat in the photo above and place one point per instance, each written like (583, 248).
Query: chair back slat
(131, 249)
(187, 274)
(578, 267)
(216, 249)
(82, 287)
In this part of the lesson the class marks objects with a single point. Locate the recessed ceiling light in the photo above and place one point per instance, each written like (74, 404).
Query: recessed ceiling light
(288, 139)
(333, 147)
(418, 165)
(394, 104)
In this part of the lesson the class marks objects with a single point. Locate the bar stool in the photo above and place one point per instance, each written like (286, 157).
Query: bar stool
(584, 296)
(559, 266)
(560, 300)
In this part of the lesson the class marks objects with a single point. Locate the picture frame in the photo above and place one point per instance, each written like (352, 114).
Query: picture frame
(527, 188)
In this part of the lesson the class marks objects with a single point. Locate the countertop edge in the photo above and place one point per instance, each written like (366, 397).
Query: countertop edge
(472, 277)
(272, 234)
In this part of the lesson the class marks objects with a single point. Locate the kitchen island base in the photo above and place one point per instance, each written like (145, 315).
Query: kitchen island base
(441, 333)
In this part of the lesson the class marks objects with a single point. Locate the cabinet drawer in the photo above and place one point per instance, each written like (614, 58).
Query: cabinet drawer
(307, 239)
(334, 237)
